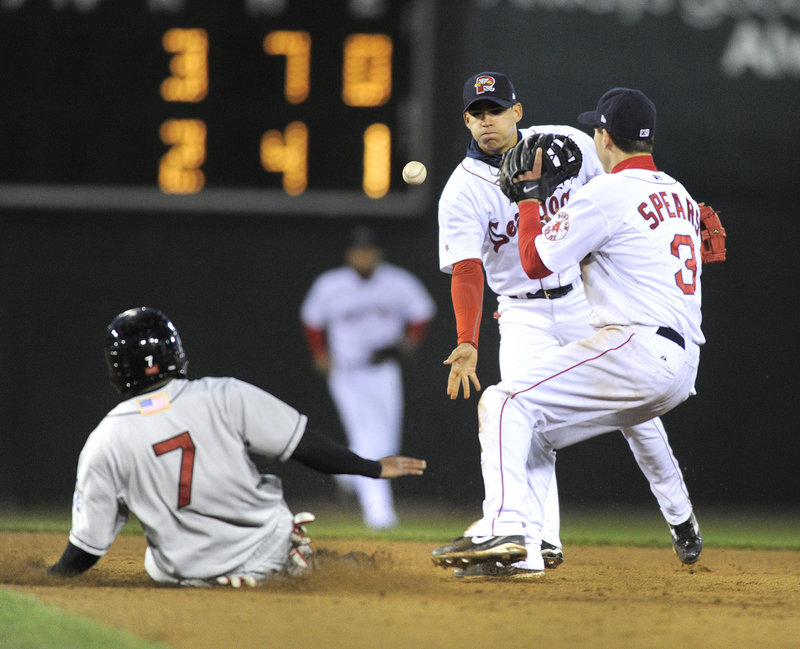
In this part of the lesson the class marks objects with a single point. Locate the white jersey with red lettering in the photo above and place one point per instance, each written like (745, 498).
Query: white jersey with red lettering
(477, 221)
(177, 458)
(360, 315)
(625, 284)
(635, 233)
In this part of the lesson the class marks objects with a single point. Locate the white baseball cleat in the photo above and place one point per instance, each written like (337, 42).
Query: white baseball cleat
(301, 556)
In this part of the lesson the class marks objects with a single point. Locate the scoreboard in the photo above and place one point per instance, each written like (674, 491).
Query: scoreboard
(286, 107)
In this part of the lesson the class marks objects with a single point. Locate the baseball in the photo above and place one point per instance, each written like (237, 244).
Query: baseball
(414, 173)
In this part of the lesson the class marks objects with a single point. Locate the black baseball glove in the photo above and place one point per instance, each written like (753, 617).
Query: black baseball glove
(561, 160)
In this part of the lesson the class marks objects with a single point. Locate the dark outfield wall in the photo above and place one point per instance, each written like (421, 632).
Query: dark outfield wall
(727, 96)
(234, 289)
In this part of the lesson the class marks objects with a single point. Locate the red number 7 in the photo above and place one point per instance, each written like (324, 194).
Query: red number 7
(183, 442)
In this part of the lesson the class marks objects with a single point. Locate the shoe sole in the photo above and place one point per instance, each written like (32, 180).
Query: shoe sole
(686, 562)
(517, 576)
(505, 554)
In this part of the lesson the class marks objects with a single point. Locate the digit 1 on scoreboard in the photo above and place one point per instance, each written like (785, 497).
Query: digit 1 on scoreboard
(377, 160)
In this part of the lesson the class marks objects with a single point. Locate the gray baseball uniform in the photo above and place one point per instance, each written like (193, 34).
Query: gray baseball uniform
(176, 453)
(177, 458)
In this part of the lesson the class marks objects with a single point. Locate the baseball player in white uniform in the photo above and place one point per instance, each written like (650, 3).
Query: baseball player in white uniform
(635, 234)
(478, 228)
(174, 452)
(359, 320)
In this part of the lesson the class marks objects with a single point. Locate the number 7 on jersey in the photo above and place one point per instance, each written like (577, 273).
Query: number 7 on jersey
(185, 443)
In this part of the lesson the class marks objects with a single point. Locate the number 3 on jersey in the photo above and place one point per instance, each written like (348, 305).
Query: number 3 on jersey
(679, 245)
(185, 443)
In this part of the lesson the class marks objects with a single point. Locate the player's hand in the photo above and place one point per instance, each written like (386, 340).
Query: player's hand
(463, 362)
(533, 174)
(322, 364)
(394, 466)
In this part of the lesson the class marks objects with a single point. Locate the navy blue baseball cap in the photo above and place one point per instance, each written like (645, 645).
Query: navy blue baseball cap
(492, 86)
(624, 112)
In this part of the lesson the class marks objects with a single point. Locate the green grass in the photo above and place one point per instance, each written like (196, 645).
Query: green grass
(735, 529)
(741, 529)
(644, 527)
(28, 624)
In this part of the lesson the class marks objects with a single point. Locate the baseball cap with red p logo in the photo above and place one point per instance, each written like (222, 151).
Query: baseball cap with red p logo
(492, 86)
(624, 112)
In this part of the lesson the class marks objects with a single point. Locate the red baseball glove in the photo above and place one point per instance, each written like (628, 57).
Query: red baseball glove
(712, 235)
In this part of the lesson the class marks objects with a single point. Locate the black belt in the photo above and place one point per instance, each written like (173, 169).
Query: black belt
(672, 335)
(548, 293)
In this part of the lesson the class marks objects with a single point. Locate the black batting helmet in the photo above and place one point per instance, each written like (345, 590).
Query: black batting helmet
(142, 348)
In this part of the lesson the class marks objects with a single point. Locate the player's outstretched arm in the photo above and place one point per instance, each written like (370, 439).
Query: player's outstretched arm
(395, 466)
(463, 362)
(321, 453)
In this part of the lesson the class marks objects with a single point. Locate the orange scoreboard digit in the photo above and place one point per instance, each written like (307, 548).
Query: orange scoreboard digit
(292, 107)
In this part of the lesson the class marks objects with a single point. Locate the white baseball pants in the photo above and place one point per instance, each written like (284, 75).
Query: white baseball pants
(530, 330)
(618, 378)
(370, 404)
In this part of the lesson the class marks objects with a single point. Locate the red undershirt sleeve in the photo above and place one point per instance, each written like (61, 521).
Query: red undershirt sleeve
(530, 226)
(466, 290)
(315, 338)
(415, 331)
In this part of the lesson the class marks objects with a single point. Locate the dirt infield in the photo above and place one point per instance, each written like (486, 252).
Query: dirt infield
(393, 597)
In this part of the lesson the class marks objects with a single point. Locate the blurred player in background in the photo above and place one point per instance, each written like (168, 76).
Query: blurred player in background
(360, 320)
(478, 234)
(175, 453)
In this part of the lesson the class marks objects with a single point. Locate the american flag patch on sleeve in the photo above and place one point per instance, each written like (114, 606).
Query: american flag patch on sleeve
(155, 404)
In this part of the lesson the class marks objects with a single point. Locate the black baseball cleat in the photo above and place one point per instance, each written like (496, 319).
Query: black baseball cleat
(686, 540)
(552, 554)
(467, 550)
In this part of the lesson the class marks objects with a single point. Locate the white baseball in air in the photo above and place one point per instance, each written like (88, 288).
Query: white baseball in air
(414, 173)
